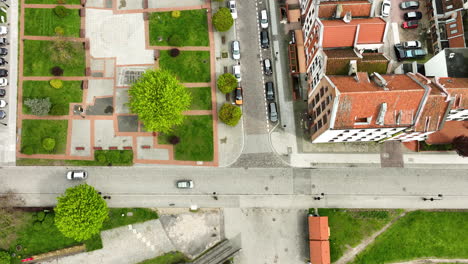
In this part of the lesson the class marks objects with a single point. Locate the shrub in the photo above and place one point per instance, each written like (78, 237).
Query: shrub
(222, 20)
(113, 156)
(37, 225)
(59, 31)
(4, 257)
(58, 109)
(174, 52)
(28, 150)
(101, 158)
(226, 83)
(175, 13)
(56, 71)
(56, 83)
(175, 40)
(230, 114)
(65, 51)
(174, 140)
(38, 106)
(40, 216)
(61, 11)
(49, 145)
(126, 157)
(48, 220)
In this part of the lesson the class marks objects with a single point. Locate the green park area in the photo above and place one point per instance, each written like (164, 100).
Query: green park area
(188, 66)
(201, 98)
(45, 22)
(179, 28)
(44, 136)
(54, 2)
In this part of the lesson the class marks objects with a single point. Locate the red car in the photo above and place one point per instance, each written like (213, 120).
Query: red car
(410, 24)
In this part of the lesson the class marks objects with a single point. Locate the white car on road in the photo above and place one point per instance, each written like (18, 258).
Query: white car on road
(385, 11)
(3, 30)
(236, 70)
(3, 82)
(264, 19)
(232, 7)
(77, 175)
(235, 47)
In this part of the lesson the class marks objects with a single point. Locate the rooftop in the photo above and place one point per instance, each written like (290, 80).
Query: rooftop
(357, 8)
(318, 228)
(319, 252)
(444, 6)
(337, 33)
(454, 62)
(458, 88)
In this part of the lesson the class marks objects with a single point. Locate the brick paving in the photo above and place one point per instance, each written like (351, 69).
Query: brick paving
(111, 74)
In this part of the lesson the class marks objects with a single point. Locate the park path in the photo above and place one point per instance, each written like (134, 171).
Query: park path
(428, 261)
(351, 253)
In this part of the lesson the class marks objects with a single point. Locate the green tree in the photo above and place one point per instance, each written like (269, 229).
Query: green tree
(222, 20)
(230, 114)
(159, 100)
(226, 83)
(80, 212)
(4, 257)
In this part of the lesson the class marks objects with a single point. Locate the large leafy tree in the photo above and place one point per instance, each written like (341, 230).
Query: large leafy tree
(159, 100)
(80, 212)
(226, 83)
(222, 20)
(5, 257)
(230, 114)
(460, 144)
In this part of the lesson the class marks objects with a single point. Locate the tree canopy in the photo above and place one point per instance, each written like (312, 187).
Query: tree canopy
(159, 100)
(222, 20)
(226, 83)
(80, 212)
(230, 114)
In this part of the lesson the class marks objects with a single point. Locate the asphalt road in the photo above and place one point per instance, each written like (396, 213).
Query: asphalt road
(250, 188)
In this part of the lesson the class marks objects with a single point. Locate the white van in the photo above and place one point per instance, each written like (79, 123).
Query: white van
(236, 70)
(264, 19)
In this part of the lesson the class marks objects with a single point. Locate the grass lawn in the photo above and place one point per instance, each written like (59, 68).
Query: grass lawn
(191, 27)
(60, 98)
(35, 131)
(350, 227)
(53, 2)
(201, 98)
(113, 157)
(189, 66)
(420, 234)
(168, 258)
(38, 61)
(42, 22)
(139, 215)
(196, 139)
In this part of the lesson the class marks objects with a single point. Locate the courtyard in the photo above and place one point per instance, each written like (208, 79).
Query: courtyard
(78, 63)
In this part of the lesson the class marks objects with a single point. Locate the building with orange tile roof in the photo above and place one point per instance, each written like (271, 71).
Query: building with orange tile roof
(318, 228)
(319, 252)
(333, 9)
(319, 246)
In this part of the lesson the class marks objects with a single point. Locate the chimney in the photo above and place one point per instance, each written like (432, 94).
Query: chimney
(339, 10)
(379, 80)
(347, 18)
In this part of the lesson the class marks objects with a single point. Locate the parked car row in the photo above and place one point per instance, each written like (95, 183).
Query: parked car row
(409, 50)
(411, 18)
(3, 71)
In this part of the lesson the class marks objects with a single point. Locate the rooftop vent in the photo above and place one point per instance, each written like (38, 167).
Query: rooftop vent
(451, 55)
(381, 115)
(347, 18)
(379, 80)
(352, 67)
(339, 9)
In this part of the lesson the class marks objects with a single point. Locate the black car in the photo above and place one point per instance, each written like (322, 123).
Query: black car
(2, 92)
(3, 73)
(3, 52)
(3, 62)
(2, 114)
(409, 5)
(414, 15)
(404, 54)
(270, 91)
(267, 67)
(3, 42)
(265, 41)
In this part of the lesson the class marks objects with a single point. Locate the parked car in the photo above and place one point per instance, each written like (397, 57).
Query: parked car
(409, 5)
(235, 47)
(273, 112)
(3, 41)
(264, 40)
(232, 7)
(414, 44)
(3, 30)
(3, 52)
(270, 91)
(77, 175)
(239, 98)
(413, 15)
(404, 54)
(3, 103)
(410, 24)
(3, 62)
(385, 10)
(2, 114)
(236, 70)
(3, 82)
(3, 73)
(2, 92)
(267, 70)
(263, 19)
(185, 184)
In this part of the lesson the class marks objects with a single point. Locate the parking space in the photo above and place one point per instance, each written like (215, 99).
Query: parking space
(397, 16)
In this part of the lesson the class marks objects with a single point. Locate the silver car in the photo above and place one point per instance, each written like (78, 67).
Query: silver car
(77, 175)
(415, 44)
(235, 47)
(185, 184)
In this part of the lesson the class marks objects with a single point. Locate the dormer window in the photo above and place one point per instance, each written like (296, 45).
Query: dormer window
(362, 120)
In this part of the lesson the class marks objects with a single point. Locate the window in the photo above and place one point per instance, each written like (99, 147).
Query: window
(319, 123)
(319, 111)
(323, 105)
(346, 131)
(322, 91)
(361, 119)
(362, 130)
(325, 119)
(453, 25)
(449, 6)
(317, 98)
(453, 31)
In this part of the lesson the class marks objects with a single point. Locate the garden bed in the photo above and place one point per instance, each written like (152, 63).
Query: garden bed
(201, 98)
(38, 60)
(60, 99)
(168, 258)
(196, 139)
(34, 132)
(111, 158)
(54, 2)
(44, 21)
(189, 29)
(188, 66)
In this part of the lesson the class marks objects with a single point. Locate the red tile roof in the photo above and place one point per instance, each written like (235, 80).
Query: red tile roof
(357, 8)
(432, 114)
(318, 227)
(364, 99)
(338, 34)
(319, 252)
(458, 88)
(451, 130)
(457, 42)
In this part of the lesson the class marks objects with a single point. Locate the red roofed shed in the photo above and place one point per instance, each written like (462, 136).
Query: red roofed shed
(319, 252)
(318, 228)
